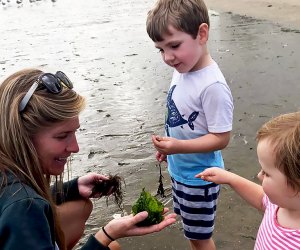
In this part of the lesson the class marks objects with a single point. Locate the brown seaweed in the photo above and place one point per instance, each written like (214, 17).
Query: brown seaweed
(161, 190)
(112, 186)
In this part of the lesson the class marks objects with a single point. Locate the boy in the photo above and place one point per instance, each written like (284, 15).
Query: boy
(200, 112)
(278, 151)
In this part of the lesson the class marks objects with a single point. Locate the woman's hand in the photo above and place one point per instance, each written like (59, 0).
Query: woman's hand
(87, 182)
(126, 226)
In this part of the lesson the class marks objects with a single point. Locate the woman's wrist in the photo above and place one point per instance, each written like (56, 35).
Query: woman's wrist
(107, 235)
(102, 237)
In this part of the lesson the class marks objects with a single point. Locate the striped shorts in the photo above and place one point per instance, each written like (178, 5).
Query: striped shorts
(197, 207)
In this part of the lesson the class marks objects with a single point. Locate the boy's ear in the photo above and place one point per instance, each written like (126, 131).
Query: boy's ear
(203, 32)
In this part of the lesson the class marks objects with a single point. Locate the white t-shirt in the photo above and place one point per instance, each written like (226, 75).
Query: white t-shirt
(198, 102)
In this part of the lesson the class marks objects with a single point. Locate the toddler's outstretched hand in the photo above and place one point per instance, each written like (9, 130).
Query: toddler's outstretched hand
(216, 175)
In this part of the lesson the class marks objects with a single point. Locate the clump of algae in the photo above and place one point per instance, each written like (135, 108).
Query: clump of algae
(147, 202)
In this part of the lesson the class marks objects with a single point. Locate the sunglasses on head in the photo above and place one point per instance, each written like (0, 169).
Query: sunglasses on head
(53, 83)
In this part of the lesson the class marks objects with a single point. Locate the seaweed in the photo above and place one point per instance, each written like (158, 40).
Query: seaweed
(111, 186)
(147, 202)
(160, 189)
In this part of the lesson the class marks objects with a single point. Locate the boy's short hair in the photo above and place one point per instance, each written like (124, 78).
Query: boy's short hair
(184, 15)
(283, 132)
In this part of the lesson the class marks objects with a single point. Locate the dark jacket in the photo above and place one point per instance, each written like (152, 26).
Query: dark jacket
(26, 218)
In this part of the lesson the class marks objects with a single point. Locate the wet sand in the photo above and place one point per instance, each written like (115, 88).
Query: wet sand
(103, 47)
(285, 13)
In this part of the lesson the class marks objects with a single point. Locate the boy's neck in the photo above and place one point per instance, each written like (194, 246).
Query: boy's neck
(204, 61)
(207, 60)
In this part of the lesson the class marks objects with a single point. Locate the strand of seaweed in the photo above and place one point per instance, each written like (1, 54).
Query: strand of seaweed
(160, 190)
(165, 194)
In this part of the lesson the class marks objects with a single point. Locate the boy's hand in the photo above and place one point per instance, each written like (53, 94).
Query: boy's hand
(160, 157)
(216, 175)
(165, 145)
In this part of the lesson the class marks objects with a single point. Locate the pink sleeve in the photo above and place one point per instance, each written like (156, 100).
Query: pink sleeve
(265, 201)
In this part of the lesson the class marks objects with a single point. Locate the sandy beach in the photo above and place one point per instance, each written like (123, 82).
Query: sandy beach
(103, 47)
(285, 13)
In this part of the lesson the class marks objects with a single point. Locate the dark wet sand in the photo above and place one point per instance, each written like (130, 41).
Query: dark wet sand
(103, 47)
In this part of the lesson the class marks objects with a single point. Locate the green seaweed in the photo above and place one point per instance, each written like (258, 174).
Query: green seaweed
(147, 202)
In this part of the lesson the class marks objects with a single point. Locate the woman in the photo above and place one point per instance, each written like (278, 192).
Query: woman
(39, 118)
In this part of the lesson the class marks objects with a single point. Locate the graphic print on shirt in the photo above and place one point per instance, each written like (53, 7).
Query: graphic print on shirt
(174, 118)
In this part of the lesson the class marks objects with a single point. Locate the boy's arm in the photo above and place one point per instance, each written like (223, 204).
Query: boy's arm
(203, 144)
(207, 143)
(248, 190)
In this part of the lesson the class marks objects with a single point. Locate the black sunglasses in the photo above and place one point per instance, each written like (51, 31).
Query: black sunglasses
(53, 83)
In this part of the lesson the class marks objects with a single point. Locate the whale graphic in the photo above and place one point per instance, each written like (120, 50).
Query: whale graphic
(174, 118)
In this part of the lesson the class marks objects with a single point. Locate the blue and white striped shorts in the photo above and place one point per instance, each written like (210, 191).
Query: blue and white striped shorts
(197, 207)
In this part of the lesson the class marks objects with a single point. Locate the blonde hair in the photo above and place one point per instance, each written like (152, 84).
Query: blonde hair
(184, 15)
(17, 152)
(284, 133)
